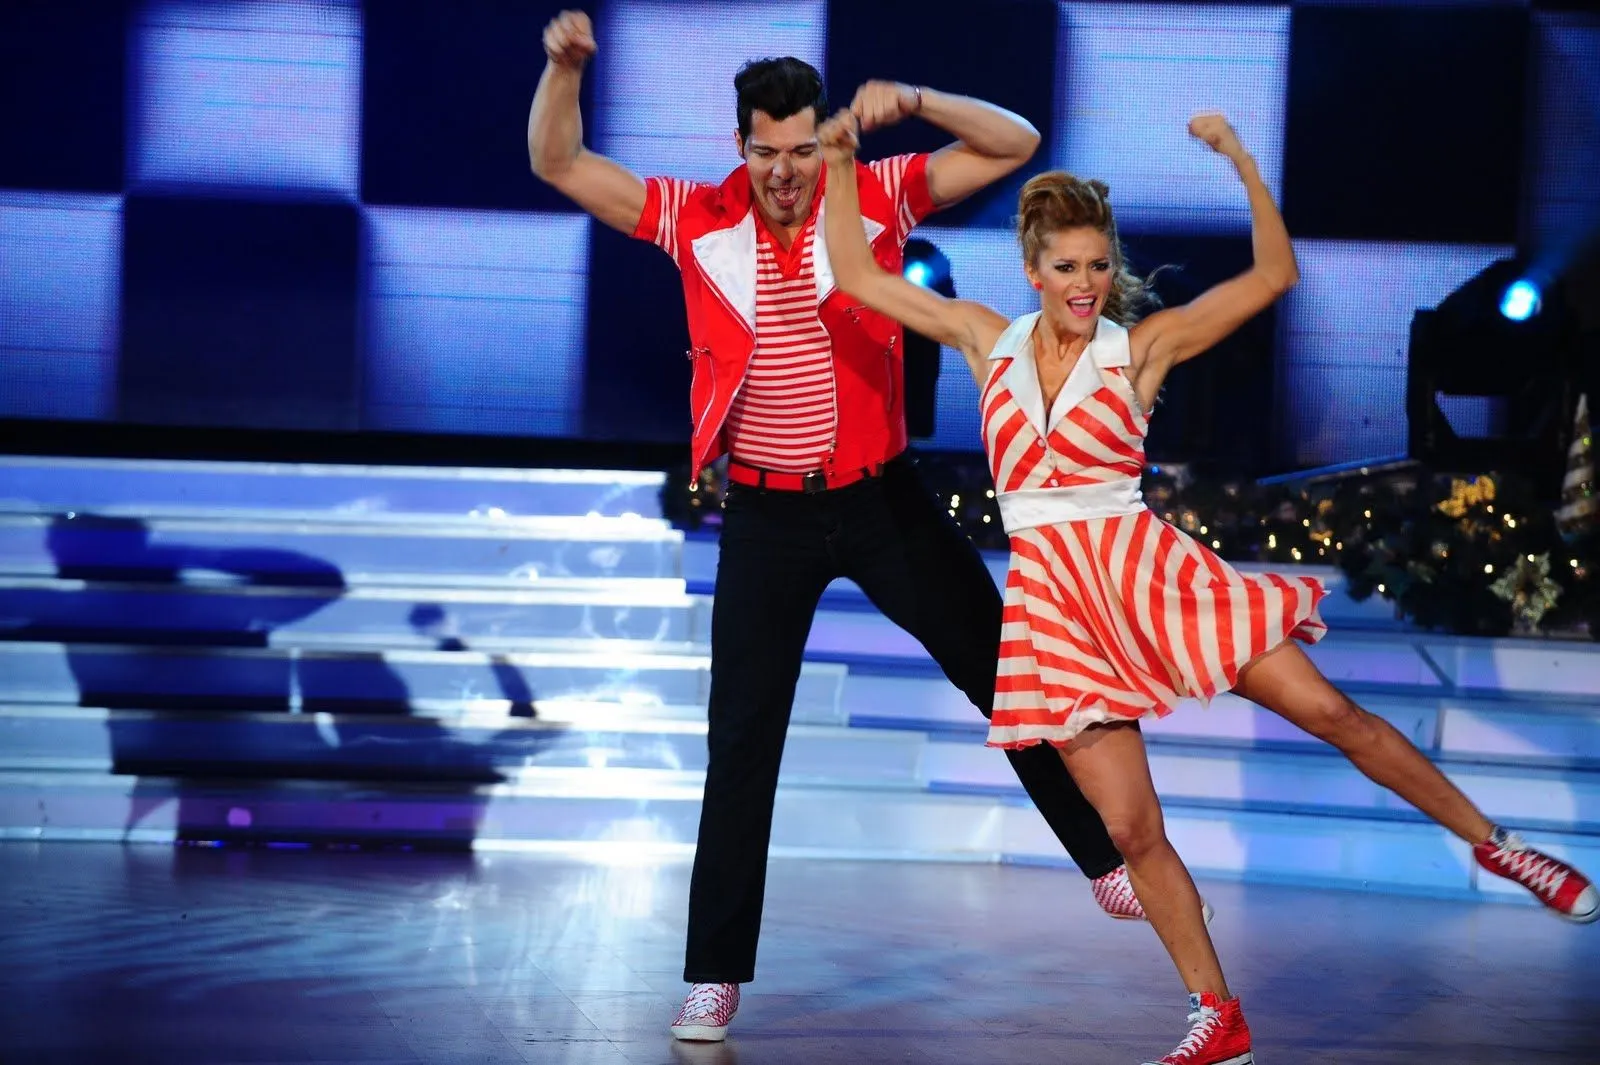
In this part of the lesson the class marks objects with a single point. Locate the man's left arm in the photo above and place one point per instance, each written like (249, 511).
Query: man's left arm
(991, 142)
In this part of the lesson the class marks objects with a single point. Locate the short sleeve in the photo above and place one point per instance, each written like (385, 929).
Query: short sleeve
(658, 223)
(905, 179)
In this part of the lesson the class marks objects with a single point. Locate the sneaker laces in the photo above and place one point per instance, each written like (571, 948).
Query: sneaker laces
(1539, 872)
(705, 999)
(1204, 1021)
(1115, 890)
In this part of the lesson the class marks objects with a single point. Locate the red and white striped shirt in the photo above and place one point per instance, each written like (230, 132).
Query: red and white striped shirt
(784, 416)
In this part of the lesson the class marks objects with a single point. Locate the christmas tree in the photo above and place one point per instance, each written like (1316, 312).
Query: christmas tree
(1579, 505)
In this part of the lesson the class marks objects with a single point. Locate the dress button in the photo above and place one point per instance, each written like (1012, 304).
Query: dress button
(1051, 483)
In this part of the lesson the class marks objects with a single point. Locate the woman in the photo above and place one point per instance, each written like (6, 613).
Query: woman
(1111, 614)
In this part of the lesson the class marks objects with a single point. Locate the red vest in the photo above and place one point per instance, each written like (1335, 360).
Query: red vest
(717, 259)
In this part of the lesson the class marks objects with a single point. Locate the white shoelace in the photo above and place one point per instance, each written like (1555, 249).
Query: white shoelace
(1115, 889)
(1541, 874)
(705, 1000)
(1205, 1022)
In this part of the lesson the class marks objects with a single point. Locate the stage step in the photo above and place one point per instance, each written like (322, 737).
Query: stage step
(242, 669)
(221, 613)
(638, 812)
(336, 553)
(471, 745)
(485, 745)
(1340, 611)
(256, 678)
(148, 488)
(502, 615)
(1351, 852)
(870, 644)
(1552, 731)
(642, 809)
(1310, 778)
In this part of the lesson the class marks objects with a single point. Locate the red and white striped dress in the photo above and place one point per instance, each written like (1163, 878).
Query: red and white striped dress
(1111, 614)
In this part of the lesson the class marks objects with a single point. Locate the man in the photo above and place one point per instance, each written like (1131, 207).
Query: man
(804, 391)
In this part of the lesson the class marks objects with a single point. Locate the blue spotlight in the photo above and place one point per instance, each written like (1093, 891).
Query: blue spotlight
(926, 265)
(1521, 300)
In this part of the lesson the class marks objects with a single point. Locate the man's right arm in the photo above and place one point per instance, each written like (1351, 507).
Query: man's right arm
(604, 188)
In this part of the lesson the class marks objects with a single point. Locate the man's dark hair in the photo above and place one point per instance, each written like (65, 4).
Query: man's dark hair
(780, 88)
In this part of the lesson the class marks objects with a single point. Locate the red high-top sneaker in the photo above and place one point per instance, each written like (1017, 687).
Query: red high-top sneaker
(706, 1012)
(1217, 1035)
(1552, 881)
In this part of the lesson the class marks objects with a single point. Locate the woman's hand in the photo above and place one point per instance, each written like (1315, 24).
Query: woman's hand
(1213, 128)
(839, 137)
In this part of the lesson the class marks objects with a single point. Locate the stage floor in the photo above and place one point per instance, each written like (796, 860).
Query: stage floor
(112, 954)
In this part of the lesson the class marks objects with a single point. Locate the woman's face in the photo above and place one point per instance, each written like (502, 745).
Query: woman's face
(1073, 274)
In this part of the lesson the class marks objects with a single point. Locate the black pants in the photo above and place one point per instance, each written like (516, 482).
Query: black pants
(779, 551)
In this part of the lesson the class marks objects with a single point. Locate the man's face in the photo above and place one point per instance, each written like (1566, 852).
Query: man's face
(784, 165)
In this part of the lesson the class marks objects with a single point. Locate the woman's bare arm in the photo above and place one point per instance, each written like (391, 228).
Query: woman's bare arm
(970, 328)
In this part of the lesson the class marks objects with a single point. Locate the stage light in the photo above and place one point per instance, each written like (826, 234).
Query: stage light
(927, 266)
(1521, 300)
(1464, 413)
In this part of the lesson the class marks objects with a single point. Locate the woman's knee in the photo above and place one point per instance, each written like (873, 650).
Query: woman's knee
(1136, 831)
(1109, 764)
(1334, 718)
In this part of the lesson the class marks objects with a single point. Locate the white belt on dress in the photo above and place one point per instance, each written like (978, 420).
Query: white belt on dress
(1030, 508)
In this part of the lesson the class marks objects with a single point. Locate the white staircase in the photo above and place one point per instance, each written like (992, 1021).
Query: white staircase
(517, 659)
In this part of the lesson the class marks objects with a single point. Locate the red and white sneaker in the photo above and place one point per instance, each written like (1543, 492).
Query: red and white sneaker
(1552, 881)
(1114, 893)
(706, 1012)
(1217, 1035)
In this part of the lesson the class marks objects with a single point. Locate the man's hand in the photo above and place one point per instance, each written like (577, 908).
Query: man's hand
(883, 103)
(839, 138)
(569, 40)
(1212, 128)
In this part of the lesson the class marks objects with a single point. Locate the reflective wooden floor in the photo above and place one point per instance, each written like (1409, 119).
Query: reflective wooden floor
(114, 954)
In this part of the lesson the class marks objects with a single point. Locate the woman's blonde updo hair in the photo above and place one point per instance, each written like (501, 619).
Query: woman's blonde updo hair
(1054, 201)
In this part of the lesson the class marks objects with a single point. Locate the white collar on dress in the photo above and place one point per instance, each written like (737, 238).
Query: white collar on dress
(1107, 349)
